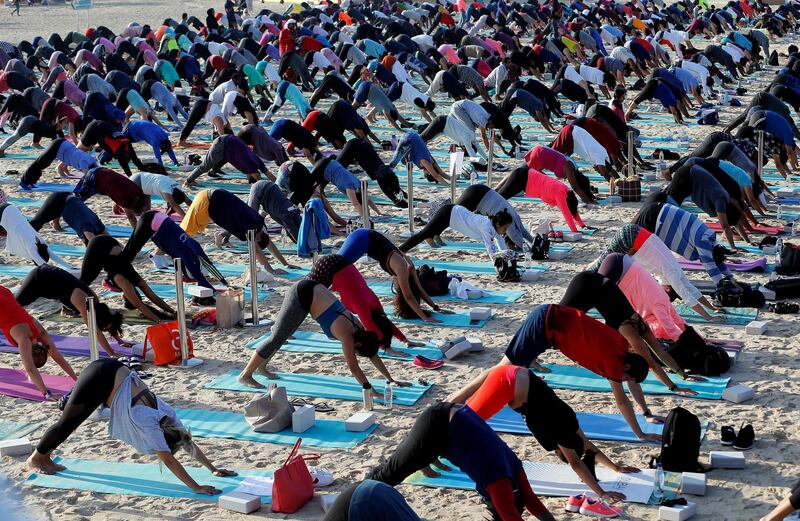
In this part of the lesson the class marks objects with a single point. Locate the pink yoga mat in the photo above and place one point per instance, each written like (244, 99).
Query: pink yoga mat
(68, 346)
(756, 265)
(15, 383)
(767, 230)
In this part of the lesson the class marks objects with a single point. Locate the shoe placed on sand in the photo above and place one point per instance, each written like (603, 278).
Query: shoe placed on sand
(321, 477)
(593, 507)
(727, 435)
(574, 503)
(427, 363)
(745, 438)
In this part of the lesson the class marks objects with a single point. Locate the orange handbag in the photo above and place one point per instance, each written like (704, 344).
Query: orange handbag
(165, 340)
(293, 485)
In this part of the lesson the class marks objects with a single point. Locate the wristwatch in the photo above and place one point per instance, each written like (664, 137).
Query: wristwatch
(366, 385)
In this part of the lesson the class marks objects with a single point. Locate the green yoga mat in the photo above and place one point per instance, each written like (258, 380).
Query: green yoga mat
(310, 342)
(320, 386)
(457, 319)
(580, 379)
(384, 289)
(137, 479)
(470, 268)
(11, 430)
(325, 434)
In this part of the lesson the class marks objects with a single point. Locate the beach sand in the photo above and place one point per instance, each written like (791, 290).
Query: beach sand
(768, 364)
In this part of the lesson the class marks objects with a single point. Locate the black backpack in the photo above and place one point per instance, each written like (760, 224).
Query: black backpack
(785, 288)
(680, 442)
(693, 354)
(540, 247)
(507, 270)
(743, 296)
(435, 283)
(790, 260)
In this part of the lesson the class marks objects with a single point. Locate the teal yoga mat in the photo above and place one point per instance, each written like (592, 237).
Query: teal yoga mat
(457, 319)
(50, 187)
(234, 188)
(384, 289)
(320, 386)
(325, 434)
(114, 230)
(596, 426)
(67, 250)
(237, 270)
(137, 479)
(168, 291)
(24, 202)
(734, 317)
(311, 342)
(11, 430)
(580, 379)
(470, 268)
(475, 246)
(16, 272)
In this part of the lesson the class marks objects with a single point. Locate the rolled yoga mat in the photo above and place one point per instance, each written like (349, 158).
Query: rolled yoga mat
(138, 479)
(311, 342)
(320, 386)
(325, 434)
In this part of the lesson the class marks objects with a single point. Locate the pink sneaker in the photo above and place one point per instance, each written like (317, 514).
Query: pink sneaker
(594, 507)
(574, 503)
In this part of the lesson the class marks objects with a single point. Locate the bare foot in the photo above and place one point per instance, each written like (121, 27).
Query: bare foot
(249, 381)
(262, 370)
(43, 464)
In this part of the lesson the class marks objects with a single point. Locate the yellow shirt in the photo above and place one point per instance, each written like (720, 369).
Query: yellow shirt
(197, 218)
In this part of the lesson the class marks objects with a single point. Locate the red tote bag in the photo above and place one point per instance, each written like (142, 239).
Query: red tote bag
(293, 486)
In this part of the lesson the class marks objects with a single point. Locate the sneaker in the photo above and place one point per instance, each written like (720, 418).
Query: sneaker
(574, 503)
(727, 435)
(110, 286)
(594, 507)
(321, 477)
(427, 363)
(745, 438)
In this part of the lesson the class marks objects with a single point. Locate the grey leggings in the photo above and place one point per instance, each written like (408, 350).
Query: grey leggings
(729, 152)
(23, 129)
(215, 158)
(289, 318)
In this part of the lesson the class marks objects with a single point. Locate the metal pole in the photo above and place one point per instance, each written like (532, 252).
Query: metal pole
(490, 161)
(185, 360)
(410, 190)
(364, 203)
(760, 152)
(251, 249)
(93, 352)
(631, 170)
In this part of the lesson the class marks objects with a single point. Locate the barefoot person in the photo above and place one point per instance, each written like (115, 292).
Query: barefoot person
(138, 417)
(311, 297)
(33, 342)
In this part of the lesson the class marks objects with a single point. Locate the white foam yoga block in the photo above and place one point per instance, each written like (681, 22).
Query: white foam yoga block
(557, 254)
(303, 418)
(613, 199)
(444, 345)
(240, 502)
(738, 393)
(678, 512)
(530, 275)
(757, 327)
(199, 291)
(785, 191)
(16, 447)
(360, 421)
(733, 355)
(693, 483)
(480, 313)
(573, 236)
(326, 501)
(457, 350)
(476, 344)
(726, 459)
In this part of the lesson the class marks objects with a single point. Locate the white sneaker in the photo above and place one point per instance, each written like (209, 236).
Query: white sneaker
(322, 478)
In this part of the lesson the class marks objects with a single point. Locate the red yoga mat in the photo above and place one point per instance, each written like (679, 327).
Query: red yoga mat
(14, 383)
(767, 230)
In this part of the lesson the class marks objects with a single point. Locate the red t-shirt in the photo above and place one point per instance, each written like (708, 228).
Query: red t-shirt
(116, 186)
(604, 135)
(13, 314)
(496, 392)
(586, 341)
(311, 120)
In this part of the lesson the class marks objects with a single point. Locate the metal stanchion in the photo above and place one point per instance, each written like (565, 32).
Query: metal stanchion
(184, 343)
(251, 250)
(760, 152)
(631, 169)
(94, 354)
(410, 195)
(490, 161)
(364, 204)
(456, 166)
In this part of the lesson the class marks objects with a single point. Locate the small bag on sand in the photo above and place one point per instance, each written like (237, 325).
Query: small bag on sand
(165, 341)
(230, 308)
(270, 412)
(630, 189)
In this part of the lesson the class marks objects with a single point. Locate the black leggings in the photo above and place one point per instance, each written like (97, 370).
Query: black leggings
(332, 82)
(51, 209)
(438, 223)
(34, 171)
(426, 440)
(142, 233)
(472, 196)
(514, 183)
(647, 92)
(434, 128)
(18, 107)
(794, 499)
(94, 259)
(93, 388)
(197, 113)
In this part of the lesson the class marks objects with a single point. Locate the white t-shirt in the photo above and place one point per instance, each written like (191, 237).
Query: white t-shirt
(409, 93)
(475, 226)
(218, 94)
(572, 75)
(425, 41)
(587, 147)
(591, 74)
(154, 184)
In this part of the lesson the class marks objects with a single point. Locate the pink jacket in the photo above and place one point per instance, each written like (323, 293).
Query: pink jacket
(651, 302)
(544, 158)
(553, 192)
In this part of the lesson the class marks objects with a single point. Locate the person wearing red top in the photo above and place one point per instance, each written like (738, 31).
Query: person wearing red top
(551, 421)
(54, 109)
(33, 342)
(544, 158)
(604, 135)
(286, 36)
(125, 193)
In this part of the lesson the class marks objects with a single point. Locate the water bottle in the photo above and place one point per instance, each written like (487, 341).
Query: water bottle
(778, 248)
(794, 228)
(388, 397)
(527, 250)
(658, 485)
(349, 226)
(780, 212)
(367, 393)
(394, 142)
(473, 176)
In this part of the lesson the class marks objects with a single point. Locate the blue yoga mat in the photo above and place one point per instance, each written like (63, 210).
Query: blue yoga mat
(24, 202)
(11, 430)
(67, 250)
(137, 479)
(457, 319)
(320, 386)
(384, 289)
(471, 268)
(114, 230)
(167, 291)
(237, 270)
(580, 379)
(50, 187)
(596, 426)
(311, 342)
(476, 246)
(16, 272)
(325, 434)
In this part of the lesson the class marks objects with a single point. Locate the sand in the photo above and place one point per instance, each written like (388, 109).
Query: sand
(767, 364)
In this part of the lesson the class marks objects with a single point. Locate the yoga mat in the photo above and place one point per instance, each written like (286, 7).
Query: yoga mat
(457, 319)
(50, 187)
(384, 289)
(129, 316)
(168, 291)
(768, 230)
(734, 316)
(554, 480)
(137, 479)
(605, 427)
(325, 434)
(310, 342)
(758, 265)
(470, 268)
(476, 246)
(67, 250)
(16, 272)
(13, 430)
(68, 346)
(581, 379)
(234, 188)
(15, 383)
(113, 230)
(320, 386)
(237, 270)
(24, 202)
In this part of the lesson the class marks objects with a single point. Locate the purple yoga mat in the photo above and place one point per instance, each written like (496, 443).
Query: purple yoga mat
(15, 383)
(68, 346)
(756, 265)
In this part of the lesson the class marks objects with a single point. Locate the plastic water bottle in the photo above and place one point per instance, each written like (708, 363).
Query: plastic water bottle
(527, 256)
(778, 248)
(394, 142)
(780, 212)
(473, 176)
(349, 226)
(794, 228)
(658, 485)
(388, 396)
